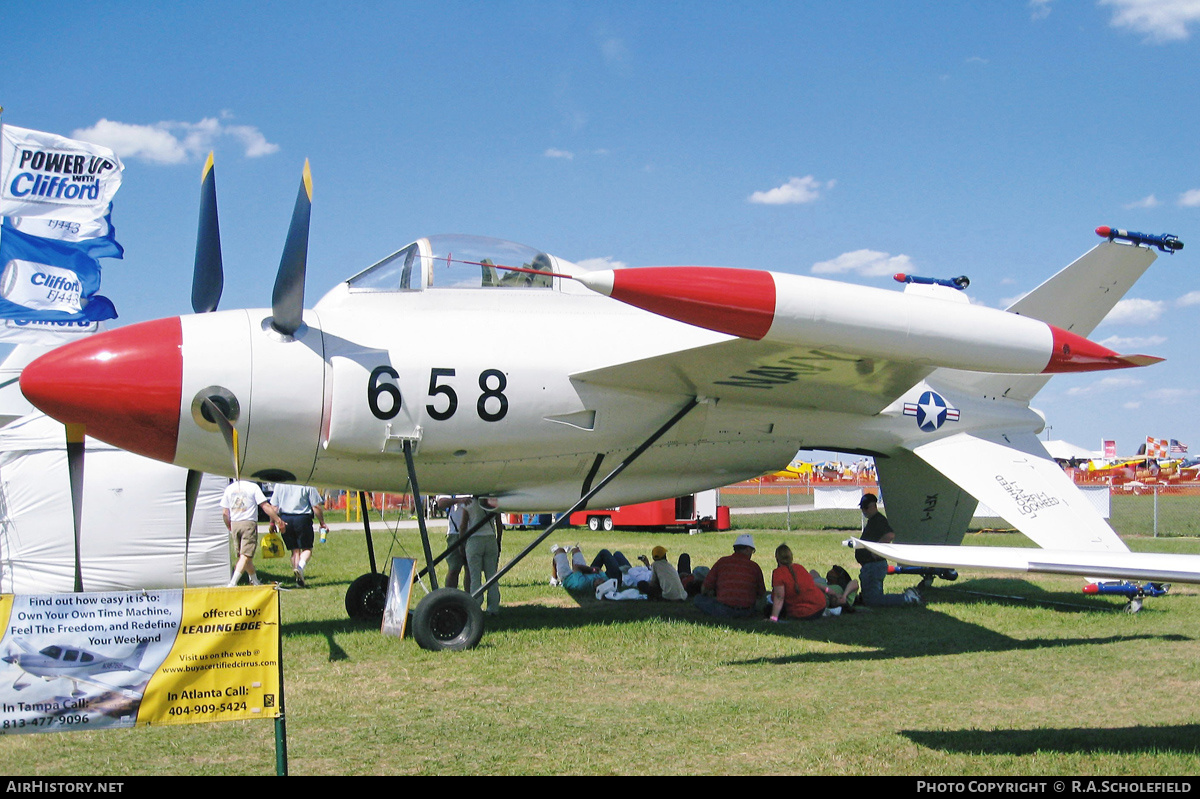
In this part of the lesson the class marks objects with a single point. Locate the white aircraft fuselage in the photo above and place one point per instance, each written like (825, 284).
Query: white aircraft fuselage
(508, 392)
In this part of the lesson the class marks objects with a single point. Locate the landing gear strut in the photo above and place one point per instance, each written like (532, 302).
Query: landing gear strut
(451, 619)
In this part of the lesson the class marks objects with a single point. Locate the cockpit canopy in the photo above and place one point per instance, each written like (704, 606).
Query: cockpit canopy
(459, 262)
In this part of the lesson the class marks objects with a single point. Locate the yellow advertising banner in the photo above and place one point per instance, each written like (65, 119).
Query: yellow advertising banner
(120, 659)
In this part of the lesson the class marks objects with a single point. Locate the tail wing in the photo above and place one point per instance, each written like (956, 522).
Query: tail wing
(1076, 299)
(1016, 478)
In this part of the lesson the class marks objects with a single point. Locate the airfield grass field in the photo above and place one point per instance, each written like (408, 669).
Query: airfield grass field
(1048, 681)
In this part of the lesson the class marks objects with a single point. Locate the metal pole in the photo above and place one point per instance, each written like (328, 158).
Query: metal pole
(1156, 511)
(281, 761)
(789, 508)
(366, 517)
(419, 506)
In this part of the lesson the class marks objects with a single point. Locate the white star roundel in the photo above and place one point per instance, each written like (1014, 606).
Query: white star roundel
(931, 410)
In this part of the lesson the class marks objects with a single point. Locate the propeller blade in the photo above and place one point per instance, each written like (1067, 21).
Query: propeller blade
(75, 449)
(287, 301)
(208, 278)
(191, 491)
(228, 431)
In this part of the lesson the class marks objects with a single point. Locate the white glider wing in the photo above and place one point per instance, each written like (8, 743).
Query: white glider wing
(1154, 567)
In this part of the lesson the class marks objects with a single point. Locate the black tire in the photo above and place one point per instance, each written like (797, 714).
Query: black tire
(607, 524)
(448, 619)
(593, 523)
(366, 597)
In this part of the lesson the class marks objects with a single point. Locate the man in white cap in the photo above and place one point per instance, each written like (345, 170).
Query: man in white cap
(734, 586)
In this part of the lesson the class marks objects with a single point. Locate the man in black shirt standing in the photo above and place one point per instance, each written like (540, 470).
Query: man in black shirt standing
(874, 568)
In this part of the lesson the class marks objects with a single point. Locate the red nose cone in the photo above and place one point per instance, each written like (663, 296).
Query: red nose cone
(123, 386)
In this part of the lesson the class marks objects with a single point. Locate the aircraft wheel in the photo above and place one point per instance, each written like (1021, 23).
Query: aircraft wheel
(448, 619)
(366, 597)
(593, 523)
(608, 523)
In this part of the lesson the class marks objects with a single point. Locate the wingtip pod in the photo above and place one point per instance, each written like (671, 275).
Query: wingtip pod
(1074, 353)
(1165, 242)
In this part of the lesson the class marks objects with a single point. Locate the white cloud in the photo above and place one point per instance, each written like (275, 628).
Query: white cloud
(599, 264)
(613, 51)
(864, 262)
(1160, 20)
(1103, 385)
(552, 152)
(1191, 298)
(1039, 9)
(1172, 396)
(174, 142)
(796, 191)
(1131, 343)
(1190, 198)
(1149, 201)
(1135, 312)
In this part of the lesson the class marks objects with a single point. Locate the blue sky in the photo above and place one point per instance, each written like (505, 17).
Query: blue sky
(941, 138)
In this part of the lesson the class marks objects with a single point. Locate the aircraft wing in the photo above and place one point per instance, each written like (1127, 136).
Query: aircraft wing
(766, 373)
(1150, 566)
(1028, 490)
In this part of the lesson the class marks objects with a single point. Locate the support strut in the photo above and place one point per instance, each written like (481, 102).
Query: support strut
(583, 500)
(419, 506)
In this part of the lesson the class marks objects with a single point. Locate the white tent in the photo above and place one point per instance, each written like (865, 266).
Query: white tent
(133, 518)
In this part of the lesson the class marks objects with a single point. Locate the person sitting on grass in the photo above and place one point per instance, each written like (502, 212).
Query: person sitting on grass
(795, 594)
(839, 588)
(664, 582)
(733, 587)
(569, 569)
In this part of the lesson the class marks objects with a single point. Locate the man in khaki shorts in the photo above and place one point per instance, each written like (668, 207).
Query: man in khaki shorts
(239, 508)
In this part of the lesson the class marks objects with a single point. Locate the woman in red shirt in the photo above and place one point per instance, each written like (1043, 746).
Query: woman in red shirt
(795, 594)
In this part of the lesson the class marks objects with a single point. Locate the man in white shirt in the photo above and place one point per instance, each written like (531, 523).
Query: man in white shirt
(239, 508)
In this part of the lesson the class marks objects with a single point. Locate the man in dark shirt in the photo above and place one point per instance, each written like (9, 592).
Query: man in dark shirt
(874, 568)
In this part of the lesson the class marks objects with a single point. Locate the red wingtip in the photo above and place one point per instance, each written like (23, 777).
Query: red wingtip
(899, 277)
(1104, 230)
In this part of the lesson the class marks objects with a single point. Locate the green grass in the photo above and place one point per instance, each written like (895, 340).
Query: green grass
(1052, 683)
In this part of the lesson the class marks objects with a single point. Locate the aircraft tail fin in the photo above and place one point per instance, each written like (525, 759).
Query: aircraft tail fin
(923, 503)
(139, 653)
(1076, 299)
